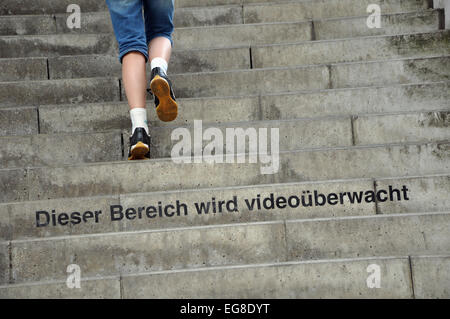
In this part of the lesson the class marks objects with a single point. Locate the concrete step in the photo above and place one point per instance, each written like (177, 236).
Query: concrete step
(368, 236)
(19, 121)
(94, 22)
(71, 148)
(401, 128)
(351, 50)
(280, 11)
(321, 279)
(156, 175)
(425, 193)
(19, 69)
(252, 34)
(338, 102)
(222, 36)
(305, 53)
(236, 83)
(294, 134)
(345, 75)
(57, 44)
(15, 7)
(11, 7)
(327, 132)
(59, 91)
(396, 23)
(78, 66)
(414, 97)
(237, 244)
(311, 279)
(431, 275)
(99, 22)
(60, 149)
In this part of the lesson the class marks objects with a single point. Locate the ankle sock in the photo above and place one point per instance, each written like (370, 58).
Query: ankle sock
(138, 119)
(159, 63)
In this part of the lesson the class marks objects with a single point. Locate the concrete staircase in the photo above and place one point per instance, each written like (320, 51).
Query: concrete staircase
(358, 110)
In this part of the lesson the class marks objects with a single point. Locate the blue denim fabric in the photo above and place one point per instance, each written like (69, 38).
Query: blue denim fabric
(135, 30)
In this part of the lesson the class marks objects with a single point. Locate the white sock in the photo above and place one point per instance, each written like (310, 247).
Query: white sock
(159, 63)
(138, 119)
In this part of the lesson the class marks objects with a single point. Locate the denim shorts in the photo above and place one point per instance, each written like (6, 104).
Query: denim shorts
(134, 30)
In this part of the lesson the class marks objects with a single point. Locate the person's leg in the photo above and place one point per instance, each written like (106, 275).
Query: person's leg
(160, 47)
(159, 28)
(129, 28)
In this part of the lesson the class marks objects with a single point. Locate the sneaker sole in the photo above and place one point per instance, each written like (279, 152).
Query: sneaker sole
(138, 152)
(167, 109)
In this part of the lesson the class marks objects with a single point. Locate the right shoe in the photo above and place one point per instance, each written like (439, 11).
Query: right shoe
(165, 102)
(139, 145)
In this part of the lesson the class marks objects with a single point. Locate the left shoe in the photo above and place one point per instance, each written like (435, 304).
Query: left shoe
(165, 102)
(139, 145)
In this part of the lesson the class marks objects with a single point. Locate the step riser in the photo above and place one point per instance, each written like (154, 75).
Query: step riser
(56, 45)
(5, 272)
(169, 250)
(427, 194)
(418, 127)
(402, 128)
(303, 280)
(95, 289)
(18, 220)
(407, 235)
(181, 62)
(359, 101)
(431, 277)
(391, 24)
(407, 71)
(100, 22)
(296, 281)
(221, 37)
(316, 77)
(294, 32)
(43, 150)
(103, 179)
(351, 50)
(236, 82)
(14, 7)
(23, 69)
(19, 121)
(333, 132)
(101, 117)
(59, 92)
(240, 244)
(320, 9)
(10, 7)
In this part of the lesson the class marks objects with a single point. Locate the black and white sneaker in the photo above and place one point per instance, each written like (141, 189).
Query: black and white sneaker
(139, 145)
(165, 102)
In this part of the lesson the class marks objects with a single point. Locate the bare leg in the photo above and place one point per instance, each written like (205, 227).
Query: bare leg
(160, 47)
(133, 70)
(134, 79)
